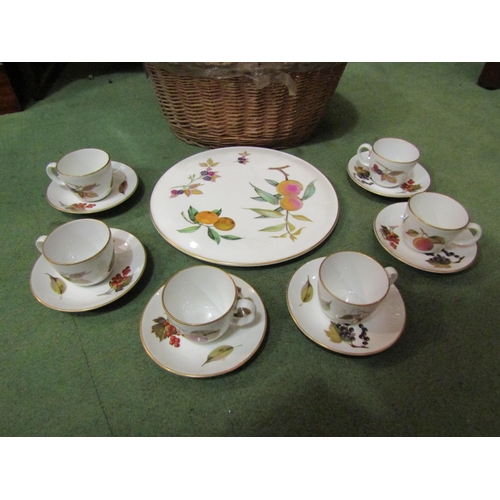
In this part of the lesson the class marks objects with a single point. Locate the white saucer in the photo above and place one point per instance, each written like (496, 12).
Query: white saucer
(361, 176)
(53, 291)
(389, 221)
(383, 327)
(124, 185)
(235, 347)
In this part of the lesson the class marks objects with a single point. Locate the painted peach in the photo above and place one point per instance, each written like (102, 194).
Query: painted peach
(291, 203)
(289, 188)
(423, 244)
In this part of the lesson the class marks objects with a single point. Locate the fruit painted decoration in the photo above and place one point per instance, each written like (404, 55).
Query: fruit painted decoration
(212, 221)
(288, 199)
(423, 242)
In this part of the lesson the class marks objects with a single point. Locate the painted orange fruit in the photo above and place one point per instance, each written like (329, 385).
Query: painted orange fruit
(206, 217)
(224, 224)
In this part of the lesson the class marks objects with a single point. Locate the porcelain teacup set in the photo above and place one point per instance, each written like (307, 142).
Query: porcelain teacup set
(362, 310)
(200, 302)
(357, 295)
(429, 224)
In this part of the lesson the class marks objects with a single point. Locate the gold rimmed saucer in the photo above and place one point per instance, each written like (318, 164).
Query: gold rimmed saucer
(178, 355)
(419, 183)
(51, 290)
(376, 333)
(388, 230)
(125, 183)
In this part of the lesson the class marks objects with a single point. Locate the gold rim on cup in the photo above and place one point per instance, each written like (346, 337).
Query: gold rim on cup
(352, 303)
(395, 161)
(83, 175)
(432, 225)
(229, 310)
(79, 261)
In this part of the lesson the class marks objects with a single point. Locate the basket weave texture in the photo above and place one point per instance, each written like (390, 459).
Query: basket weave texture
(235, 110)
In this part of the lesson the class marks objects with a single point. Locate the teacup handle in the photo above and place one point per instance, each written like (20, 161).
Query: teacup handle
(39, 243)
(51, 172)
(392, 274)
(361, 148)
(244, 312)
(476, 234)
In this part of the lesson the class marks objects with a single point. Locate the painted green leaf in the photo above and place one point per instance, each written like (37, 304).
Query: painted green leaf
(301, 217)
(298, 231)
(230, 237)
(214, 235)
(267, 213)
(310, 190)
(412, 232)
(272, 182)
(333, 333)
(307, 292)
(219, 353)
(159, 329)
(437, 240)
(272, 229)
(218, 212)
(192, 213)
(324, 304)
(57, 284)
(190, 229)
(270, 198)
(290, 226)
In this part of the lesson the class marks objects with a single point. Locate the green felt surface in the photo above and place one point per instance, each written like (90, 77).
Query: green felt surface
(87, 374)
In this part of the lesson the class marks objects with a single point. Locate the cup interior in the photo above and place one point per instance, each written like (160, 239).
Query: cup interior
(83, 162)
(396, 150)
(199, 295)
(354, 278)
(439, 211)
(76, 241)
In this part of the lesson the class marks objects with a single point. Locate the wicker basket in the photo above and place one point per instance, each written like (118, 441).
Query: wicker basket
(229, 107)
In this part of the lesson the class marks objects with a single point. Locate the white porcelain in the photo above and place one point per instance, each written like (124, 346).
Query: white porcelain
(241, 186)
(352, 285)
(202, 303)
(81, 251)
(124, 181)
(85, 172)
(377, 332)
(389, 232)
(418, 183)
(391, 161)
(434, 221)
(174, 353)
(51, 290)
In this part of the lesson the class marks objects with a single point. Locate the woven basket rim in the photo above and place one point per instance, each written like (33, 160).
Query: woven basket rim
(235, 69)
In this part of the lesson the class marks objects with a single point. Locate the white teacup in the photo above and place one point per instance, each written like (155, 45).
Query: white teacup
(352, 285)
(391, 161)
(433, 221)
(202, 302)
(81, 251)
(85, 172)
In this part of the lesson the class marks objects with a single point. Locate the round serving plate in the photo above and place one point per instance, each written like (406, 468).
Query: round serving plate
(244, 206)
